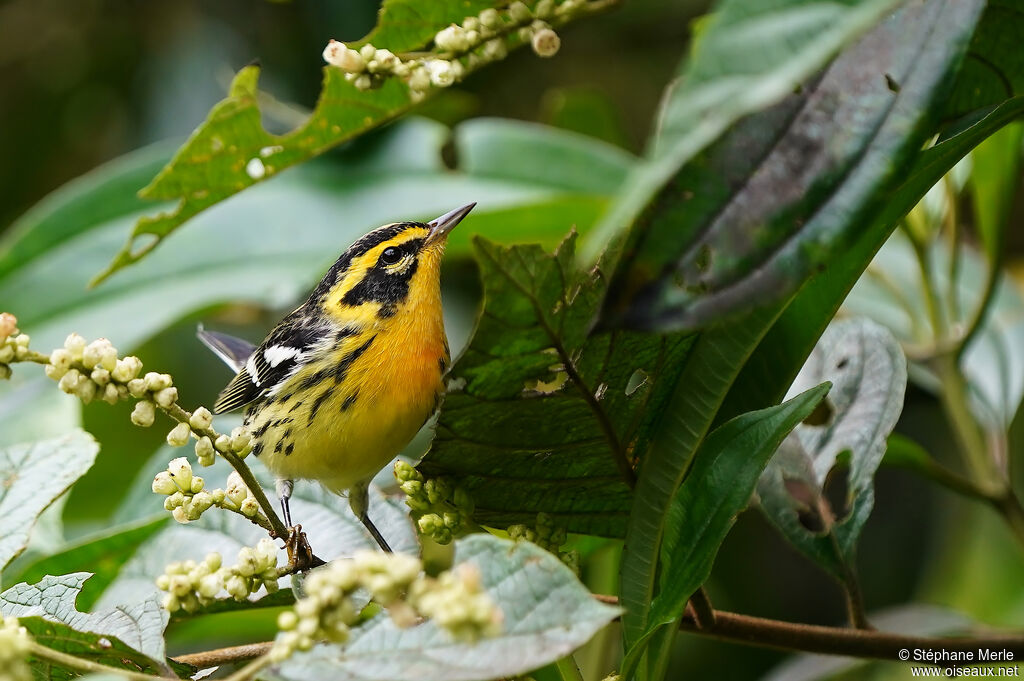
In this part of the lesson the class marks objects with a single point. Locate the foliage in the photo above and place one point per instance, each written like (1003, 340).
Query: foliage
(624, 382)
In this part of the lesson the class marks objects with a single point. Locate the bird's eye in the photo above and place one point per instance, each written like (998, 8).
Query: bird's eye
(391, 255)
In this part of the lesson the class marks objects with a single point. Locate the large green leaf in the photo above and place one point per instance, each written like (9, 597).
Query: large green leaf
(722, 350)
(539, 416)
(869, 373)
(717, 488)
(231, 150)
(140, 625)
(725, 79)
(798, 182)
(32, 476)
(547, 614)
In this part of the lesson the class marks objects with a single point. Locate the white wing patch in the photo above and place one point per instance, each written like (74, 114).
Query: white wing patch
(276, 354)
(250, 368)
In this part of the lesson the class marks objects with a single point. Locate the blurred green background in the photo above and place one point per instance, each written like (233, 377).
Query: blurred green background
(82, 83)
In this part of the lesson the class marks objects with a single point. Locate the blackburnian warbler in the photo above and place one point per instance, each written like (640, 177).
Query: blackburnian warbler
(345, 381)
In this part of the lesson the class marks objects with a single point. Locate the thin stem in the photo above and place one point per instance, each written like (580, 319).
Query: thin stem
(955, 257)
(850, 584)
(703, 611)
(754, 631)
(79, 664)
(965, 428)
(977, 322)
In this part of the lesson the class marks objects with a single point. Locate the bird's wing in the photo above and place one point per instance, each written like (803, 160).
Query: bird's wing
(232, 351)
(271, 363)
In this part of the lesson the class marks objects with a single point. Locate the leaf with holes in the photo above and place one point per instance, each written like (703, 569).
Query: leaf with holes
(32, 476)
(547, 613)
(540, 416)
(869, 375)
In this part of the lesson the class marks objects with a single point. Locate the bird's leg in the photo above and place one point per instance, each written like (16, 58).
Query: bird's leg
(359, 500)
(284, 493)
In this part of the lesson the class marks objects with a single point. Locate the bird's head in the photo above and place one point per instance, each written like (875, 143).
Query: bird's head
(381, 270)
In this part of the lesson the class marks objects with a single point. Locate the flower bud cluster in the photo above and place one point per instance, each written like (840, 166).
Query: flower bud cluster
(455, 600)
(14, 648)
(548, 536)
(191, 585)
(441, 510)
(187, 497)
(208, 442)
(93, 371)
(9, 351)
(459, 48)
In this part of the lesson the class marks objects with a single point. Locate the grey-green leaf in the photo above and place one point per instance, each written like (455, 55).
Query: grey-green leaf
(547, 612)
(866, 366)
(32, 476)
(140, 626)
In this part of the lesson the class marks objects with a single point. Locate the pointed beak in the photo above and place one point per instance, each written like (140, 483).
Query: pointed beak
(439, 227)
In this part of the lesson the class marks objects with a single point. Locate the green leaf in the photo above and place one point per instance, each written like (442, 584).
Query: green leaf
(725, 79)
(140, 626)
(103, 555)
(240, 252)
(547, 615)
(710, 388)
(231, 150)
(32, 476)
(798, 182)
(868, 371)
(716, 489)
(995, 170)
(538, 412)
(102, 649)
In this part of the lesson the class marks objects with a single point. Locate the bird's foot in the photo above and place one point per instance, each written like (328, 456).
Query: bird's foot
(300, 555)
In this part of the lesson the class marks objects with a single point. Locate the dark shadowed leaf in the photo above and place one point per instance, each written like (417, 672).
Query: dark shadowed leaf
(547, 613)
(537, 410)
(869, 375)
(796, 184)
(33, 476)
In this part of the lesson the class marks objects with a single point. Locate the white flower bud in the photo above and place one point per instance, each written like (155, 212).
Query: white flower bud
(546, 42)
(367, 52)
(166, 397)
(287, 620)
(75, 344)
(490, 18)
(544, 8)
(178, 437)
(111, 394)
(451, 39)
(239, 440)
(70, 381)
(180, 515)
(86, 391)
(386, 60)
(126, 369)
(419, 79)
(155, 381)
(91, 354)
(495, 50)
(163, 483)
(197, 484)
(204, 451)
(237, 587)
(441, 72)
(100, 376)
(144, 414)
(61, 359)
(338, 54)
(201, 419)
(137, 388)
(363, 82)
(174, 500)
(7, 352)
(519, 12)
(218, 496)
(210, 585)
(181, 471)
(249, 507)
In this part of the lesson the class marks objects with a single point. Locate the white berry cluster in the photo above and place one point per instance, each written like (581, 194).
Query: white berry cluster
(441, 510)
(14, 649)
(187, 498)
(459, 48)
(208, 442)
(548, 536)
(455, 600)
(191, 585)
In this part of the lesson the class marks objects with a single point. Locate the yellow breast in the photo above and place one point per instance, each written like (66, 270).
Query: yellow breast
(344, 415)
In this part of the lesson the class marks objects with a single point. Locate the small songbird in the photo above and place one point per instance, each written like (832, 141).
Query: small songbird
(345, 381)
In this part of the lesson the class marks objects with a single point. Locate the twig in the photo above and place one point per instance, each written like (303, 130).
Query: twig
(80, 664)
(754, 631)
(703, 611)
